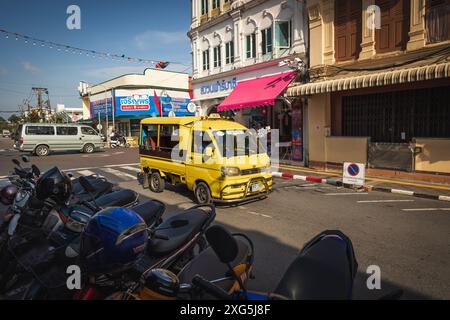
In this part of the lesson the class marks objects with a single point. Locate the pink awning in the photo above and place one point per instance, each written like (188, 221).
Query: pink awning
(257, 92)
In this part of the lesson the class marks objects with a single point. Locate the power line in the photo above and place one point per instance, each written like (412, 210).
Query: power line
(75, 50)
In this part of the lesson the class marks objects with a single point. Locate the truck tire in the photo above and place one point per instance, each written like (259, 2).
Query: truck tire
(156, 183)
(202, 193)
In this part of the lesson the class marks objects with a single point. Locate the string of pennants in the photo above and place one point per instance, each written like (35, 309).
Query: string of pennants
(81, 51)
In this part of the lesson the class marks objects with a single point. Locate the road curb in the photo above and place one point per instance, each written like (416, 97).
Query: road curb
(338, 183)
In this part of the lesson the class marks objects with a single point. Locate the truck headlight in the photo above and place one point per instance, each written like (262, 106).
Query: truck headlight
(230, 171)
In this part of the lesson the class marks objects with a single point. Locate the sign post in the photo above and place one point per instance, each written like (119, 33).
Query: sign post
(354, 173)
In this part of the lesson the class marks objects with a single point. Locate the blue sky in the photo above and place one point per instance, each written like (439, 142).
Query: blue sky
(144, 29)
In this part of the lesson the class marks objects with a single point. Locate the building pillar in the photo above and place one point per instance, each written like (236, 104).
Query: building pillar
(417, 25)
(368, 32)
(195, 55)
(315, 27)
(328, 31)
(237, 36)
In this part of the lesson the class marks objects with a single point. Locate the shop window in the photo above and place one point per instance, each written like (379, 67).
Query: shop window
(205, 60)
(40, 130)
(134, 127)
(88, 131)
(66, 131)
(229, 52)
(266, 44)
(217, 57)
(393, 34)
(347, 29)
(250, 46)
(205, 7)
(437, 20)
(149, 137)
(283, 34)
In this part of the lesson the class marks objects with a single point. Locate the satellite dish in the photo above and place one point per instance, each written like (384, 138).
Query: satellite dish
(191, 107)
(172, 114)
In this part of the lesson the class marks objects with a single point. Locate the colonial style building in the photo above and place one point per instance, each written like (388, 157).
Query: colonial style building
(237, 47)
(379, 86)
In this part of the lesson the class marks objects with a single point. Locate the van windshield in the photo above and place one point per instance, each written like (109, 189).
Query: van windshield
(232, 143)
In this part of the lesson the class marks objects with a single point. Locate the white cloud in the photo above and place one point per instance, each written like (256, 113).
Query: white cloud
(30, 68)
(152, 38)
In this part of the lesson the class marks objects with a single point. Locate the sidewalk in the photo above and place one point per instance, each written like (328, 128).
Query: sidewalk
(373, 183)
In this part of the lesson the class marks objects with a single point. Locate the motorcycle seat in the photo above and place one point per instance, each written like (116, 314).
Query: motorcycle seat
(323, 271)
(101, 186)
(151, 211)
(194, 220)
(208, 265)
(121, 198)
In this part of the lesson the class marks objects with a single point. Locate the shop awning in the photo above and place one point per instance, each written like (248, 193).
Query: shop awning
(257, 92)
(374, 79)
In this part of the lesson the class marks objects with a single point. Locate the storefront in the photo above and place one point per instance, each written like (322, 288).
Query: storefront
(255, 99)
(120, 103)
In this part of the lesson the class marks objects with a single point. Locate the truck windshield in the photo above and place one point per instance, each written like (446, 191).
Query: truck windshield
(232, 143)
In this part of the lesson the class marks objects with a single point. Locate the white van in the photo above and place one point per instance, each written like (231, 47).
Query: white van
(42, 138)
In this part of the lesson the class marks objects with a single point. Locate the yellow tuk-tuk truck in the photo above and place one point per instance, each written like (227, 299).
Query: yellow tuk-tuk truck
(220, 160)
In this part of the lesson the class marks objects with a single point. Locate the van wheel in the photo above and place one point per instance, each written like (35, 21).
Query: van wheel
(202, 193)
(89, 148)
(41, 150)
(156, 183)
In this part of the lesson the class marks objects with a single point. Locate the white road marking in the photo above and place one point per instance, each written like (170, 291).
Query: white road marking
(259, 214)
(376, 201)
(86, 172)
(427, 209)
(119, 152)
(118, 173)
(444, 198)
(108, 166)
(345, 194)
(132, 168)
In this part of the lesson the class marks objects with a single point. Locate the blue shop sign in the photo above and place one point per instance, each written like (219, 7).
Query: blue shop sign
(219, 86)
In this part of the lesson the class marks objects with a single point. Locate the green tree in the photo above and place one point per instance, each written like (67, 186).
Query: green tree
(2, 119)
(14, 118)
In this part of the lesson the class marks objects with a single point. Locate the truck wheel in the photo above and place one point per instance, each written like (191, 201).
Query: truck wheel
(89, 148)
(156, 183)
(202, 193)
(41, 150)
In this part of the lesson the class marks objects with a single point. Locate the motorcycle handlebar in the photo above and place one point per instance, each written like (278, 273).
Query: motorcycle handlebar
(210, 288)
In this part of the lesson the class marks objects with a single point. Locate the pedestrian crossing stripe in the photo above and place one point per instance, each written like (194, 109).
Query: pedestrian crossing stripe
(118, 173)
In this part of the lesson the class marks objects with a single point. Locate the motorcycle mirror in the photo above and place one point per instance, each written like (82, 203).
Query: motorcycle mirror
(69, 174)
(223, 243)
(35, 170)
(86, 185)
(25, 159)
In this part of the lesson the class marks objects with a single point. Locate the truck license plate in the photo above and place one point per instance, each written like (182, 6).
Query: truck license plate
(256, 187)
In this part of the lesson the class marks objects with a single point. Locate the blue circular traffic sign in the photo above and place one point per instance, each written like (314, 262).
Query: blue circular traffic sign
(353, 169)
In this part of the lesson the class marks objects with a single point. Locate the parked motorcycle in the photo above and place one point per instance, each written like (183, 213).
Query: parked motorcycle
(324, 269)
(27, 224)
(171, 244)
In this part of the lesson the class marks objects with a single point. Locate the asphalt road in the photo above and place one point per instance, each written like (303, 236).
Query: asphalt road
(408, 238)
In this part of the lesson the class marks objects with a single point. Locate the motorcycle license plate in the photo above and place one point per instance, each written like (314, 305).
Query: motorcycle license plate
(256, 187)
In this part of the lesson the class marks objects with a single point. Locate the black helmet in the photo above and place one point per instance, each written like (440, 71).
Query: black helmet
(54, 184)
(8, 194)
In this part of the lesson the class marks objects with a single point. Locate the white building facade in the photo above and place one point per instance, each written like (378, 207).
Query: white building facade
(234, 41)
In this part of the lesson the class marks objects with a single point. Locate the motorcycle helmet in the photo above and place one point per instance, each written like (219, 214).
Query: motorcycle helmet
(8, 194)
(54, 184)
(112, 241)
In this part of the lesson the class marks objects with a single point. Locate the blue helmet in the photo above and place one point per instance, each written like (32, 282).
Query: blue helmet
(113, 240)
